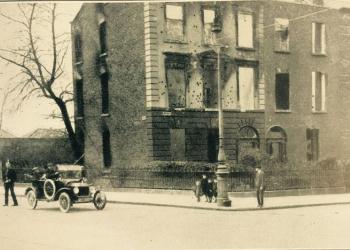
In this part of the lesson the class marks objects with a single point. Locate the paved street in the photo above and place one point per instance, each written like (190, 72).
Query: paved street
(151, 227)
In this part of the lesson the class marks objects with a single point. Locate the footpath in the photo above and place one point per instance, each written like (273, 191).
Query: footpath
(186, 199)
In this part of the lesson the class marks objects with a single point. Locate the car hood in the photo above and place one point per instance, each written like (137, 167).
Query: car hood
(75, 183)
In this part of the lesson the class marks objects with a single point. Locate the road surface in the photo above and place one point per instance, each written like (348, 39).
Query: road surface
(152, 227)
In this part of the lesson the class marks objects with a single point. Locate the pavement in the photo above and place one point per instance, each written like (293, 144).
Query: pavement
(186, 199)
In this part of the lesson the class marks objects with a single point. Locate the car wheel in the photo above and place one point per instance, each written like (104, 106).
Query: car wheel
(49, 189)
(64, 202)
(31, 199)
(100, 200)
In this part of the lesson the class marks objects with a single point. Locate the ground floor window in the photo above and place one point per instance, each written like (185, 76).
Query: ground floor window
(213, 144)
(276, 144)
(312, 144)
(248, 144)
(178, 144)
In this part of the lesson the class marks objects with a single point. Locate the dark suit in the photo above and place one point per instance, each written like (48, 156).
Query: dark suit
(260, 188)
(9, 179)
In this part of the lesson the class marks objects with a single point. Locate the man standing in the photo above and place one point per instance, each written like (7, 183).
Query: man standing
(259, 185)
(9, 179)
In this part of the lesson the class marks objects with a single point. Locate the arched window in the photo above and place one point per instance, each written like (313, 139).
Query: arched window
(248, 142)
(276, 140)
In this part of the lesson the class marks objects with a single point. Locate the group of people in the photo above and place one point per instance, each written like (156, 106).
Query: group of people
(207, 188)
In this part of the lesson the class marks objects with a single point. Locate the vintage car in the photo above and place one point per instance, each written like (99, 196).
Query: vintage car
(67, 186)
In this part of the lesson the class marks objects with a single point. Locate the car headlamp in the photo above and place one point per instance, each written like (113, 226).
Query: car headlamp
(76, 190)
(92, 189)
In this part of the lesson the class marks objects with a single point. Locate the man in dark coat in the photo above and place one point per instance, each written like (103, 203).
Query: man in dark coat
(259, 185)
(205, 187)
(9, 179)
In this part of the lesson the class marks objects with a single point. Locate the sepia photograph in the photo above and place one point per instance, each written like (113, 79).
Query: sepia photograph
(174, 124)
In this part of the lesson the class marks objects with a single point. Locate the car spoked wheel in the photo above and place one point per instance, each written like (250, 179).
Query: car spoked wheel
(31, 199)
(100, 200)
(49, 189)
(64, 202)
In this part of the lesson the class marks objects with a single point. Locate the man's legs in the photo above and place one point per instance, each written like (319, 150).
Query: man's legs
(6, 186)
(262, 197)
(258, 196)
(13, 194)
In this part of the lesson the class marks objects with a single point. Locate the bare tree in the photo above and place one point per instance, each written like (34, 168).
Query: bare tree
(40, 59)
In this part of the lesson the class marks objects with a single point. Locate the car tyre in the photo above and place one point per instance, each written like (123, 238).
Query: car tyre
(64, 202)
(99, 200)
(31, 199)
(49, 189)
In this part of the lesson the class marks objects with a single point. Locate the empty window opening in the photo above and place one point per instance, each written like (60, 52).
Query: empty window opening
(282, 91)
(208, 21)
(281, 34)
(176, 68)
(247, 89)
(174, 21)
(245, 30)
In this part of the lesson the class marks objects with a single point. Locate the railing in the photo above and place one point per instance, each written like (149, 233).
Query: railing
(184, 179)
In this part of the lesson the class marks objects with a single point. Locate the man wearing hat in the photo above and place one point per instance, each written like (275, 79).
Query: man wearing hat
(9, 179)
(259, 185)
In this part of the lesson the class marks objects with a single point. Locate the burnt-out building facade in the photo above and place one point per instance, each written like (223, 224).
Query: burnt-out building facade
(146, 81)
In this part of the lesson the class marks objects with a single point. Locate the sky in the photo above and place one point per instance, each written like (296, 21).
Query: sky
(34, 113)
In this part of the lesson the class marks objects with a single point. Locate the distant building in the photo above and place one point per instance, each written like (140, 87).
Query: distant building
(47, 133)
(146, 81)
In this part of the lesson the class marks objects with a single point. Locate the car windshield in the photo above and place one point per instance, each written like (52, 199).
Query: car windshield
(70, 174)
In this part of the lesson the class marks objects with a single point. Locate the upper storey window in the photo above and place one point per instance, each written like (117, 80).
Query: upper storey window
(281, 35)
(78, 48)
(174, 15)
(208, 21)
(319, 38)
(245, 30)
(103, 37)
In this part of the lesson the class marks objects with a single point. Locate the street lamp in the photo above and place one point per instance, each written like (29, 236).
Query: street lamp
(222, 170)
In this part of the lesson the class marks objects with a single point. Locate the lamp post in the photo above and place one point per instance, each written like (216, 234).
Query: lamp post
(222, 170)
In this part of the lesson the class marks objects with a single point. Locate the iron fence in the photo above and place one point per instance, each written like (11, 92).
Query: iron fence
(184, 179)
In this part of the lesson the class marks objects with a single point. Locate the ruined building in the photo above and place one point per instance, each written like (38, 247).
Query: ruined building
(146, 81)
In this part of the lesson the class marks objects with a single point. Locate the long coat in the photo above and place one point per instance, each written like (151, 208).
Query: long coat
(259, 179)
(10, 176)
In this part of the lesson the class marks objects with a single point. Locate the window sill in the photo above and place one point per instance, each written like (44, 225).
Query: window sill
(319, 112)
(105, 115)
(103, 54)
(245, 48)
(175, 41)
(319, 54)
(283, 111)
(78, 63)
(282, 52)
(79, 118)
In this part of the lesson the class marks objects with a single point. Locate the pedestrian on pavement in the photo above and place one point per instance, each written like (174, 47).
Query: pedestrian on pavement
(210, 190)
(9, 180)
(259, 185)
(198, 190)
(205, 187)
(215, 189)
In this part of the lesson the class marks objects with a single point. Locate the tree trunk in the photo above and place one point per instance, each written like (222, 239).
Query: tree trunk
(76, 148)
